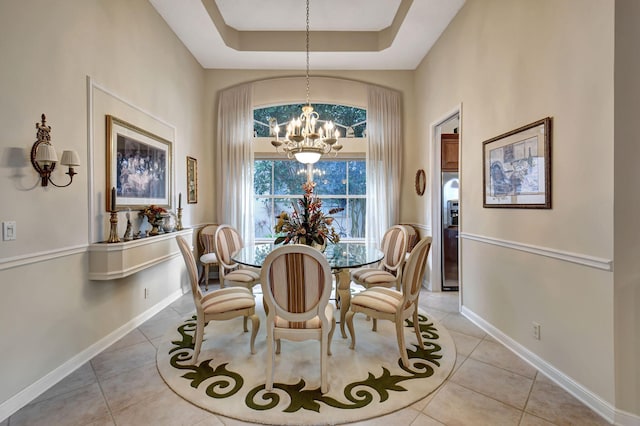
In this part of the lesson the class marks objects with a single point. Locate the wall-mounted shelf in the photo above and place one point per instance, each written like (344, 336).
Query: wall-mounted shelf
(110, 261)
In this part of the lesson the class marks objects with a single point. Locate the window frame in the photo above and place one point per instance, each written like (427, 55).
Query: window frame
(273, 197)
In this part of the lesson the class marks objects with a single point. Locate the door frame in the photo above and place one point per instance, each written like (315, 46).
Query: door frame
(436, 199)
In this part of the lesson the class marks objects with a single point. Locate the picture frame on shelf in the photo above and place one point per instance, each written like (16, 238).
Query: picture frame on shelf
(192, 180)
(517, 167)
(139, 167)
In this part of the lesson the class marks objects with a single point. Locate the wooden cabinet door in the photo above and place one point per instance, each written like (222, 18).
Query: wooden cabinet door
(449, 152)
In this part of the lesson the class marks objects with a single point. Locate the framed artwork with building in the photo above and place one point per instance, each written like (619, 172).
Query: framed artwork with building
(138, 167)
(517, 167)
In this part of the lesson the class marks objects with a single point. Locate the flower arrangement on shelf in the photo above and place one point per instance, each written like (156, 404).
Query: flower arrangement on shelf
(155, 215)
(307, 224)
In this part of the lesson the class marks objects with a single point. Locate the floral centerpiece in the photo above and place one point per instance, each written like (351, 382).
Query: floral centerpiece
(155, 215)
(307, 224)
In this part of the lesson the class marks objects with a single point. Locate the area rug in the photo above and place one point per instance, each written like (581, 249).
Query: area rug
(366, 382)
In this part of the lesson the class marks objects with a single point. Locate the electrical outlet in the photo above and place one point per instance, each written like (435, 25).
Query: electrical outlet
(535, 328)
(9, 230)
(146, 293)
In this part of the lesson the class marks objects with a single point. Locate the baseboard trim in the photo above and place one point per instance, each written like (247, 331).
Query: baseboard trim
(581, 259)
(624, 418)
(593, 401)
(34, 390)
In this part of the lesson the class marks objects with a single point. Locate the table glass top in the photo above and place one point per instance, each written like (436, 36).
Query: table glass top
(340, 255)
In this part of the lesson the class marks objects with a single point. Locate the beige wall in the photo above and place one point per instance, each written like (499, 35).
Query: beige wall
(626, 207)
(510, 63)
(49, 310)
(507, 62)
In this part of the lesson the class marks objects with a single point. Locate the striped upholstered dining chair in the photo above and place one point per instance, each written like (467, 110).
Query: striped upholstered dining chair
(208, 258)
(296, 284)
(221, 304)
(393, 305)
(388, 273)
(228, 242)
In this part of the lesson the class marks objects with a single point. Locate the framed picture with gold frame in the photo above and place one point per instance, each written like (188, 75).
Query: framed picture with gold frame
(138, 167)
(192, 180)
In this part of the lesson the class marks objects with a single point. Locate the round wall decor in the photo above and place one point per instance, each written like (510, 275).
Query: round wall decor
(421, 182)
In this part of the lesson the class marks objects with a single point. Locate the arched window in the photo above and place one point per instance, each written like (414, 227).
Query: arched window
(340, 182)
(343, 116)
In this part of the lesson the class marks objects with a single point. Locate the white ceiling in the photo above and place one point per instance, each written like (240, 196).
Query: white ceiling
(345, 34)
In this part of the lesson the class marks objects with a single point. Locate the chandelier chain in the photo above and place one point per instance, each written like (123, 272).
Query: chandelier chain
(307, 47)
(305, 140)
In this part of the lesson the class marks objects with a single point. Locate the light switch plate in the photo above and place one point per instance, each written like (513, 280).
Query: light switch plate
(9, 230)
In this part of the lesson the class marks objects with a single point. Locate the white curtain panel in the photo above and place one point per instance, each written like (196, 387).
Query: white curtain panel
(234, 159)
(384, 161)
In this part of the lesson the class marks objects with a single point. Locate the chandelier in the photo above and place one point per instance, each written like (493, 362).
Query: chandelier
(305, 139)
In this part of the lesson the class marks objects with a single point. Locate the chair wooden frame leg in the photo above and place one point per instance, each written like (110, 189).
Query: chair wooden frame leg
(333, 329)
(416, 328)
(270, 360)
(349, 320)
(255, 325)
(199, 337)
(206, 277)
(401, 344)
(324, 349)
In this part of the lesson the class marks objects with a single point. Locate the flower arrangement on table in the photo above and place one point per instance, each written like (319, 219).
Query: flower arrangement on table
(307, 224)
(155, 215)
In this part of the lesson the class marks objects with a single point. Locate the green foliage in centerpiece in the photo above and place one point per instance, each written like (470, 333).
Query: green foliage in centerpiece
(307, 224)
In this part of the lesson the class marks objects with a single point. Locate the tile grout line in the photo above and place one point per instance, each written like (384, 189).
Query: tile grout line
(104, 397)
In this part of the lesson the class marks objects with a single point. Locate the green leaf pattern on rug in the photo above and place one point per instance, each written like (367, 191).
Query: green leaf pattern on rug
(199, 373)
(357, 394)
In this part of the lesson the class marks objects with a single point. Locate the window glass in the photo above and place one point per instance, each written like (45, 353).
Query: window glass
(330, 177)
(343, 116)
(288, 177)
(333, 180)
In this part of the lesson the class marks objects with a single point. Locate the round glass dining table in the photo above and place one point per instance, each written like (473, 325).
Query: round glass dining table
(341, 257)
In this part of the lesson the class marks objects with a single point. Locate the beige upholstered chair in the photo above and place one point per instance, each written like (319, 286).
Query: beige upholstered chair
(389, 271)
(228, 242)
(296, 284)
(412, 237)
(394, 305)
(206, 238)
(220, 304)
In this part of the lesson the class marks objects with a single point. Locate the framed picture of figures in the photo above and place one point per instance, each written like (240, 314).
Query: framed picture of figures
(138, 167)
(517, 167)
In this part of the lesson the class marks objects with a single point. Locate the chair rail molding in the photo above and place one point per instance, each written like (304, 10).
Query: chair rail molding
(109, 261)
(580, 259)
(43, 256)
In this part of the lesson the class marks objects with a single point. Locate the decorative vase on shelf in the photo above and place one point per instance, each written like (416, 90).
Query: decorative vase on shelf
(168, 224)
(155, 226)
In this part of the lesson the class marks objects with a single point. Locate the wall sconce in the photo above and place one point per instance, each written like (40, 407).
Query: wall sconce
(44, 158)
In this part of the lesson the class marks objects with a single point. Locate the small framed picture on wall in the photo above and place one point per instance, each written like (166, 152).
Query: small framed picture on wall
(192, 180)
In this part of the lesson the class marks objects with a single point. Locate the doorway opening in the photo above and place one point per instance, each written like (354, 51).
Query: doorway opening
(446, 212)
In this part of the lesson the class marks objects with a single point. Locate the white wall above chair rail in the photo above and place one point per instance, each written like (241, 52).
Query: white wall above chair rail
(581, 259)
(110, 261)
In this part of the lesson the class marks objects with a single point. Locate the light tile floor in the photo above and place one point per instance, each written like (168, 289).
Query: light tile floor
(489, 385)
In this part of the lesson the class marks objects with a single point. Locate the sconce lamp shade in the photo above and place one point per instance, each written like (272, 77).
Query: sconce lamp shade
(70, 158)
(44, 157)
(46, 154)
